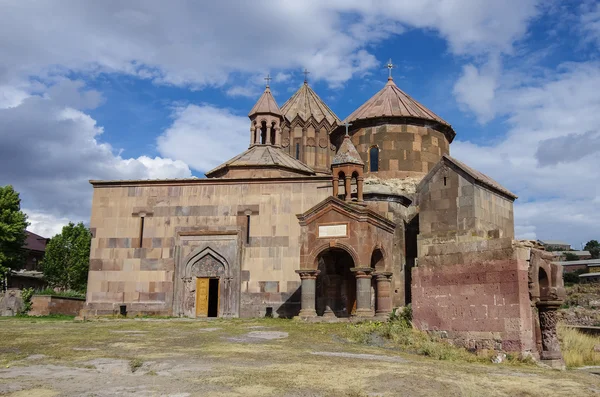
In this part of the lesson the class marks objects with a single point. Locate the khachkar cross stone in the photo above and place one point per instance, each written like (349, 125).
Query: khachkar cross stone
(347, 124)
(390, 66)
(268, 79)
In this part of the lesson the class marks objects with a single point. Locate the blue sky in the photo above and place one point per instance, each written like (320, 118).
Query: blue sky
(142, 89)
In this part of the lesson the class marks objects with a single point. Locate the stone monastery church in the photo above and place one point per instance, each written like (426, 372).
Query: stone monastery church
(321, 217)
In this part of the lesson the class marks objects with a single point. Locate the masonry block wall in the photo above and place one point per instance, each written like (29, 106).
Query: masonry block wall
(44, 305)
(141, 273)
(477, 292)
(311, 140)
(453, 206)
(400, 214)
(405, 150)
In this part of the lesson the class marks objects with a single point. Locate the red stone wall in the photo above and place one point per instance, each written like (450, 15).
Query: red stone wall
(479, 297)
(44, 305)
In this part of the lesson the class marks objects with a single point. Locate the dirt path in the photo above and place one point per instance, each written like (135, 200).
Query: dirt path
(244, 358)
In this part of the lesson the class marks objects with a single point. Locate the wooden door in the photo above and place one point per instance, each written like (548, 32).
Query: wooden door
(202, 297)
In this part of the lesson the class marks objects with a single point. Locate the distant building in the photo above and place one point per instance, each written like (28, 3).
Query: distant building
(588, 265)
(562, 255)
(555, 245)
(590, 277)
(31, 275)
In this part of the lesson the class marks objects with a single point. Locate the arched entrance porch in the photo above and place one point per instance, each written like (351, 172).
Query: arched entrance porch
(335, 284)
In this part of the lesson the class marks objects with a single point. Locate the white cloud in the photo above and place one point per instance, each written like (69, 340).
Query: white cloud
(49, 150)
(476, 89)
(202, 43)
(44, 224)
(590, 21)
(549, 155)
(204, 136)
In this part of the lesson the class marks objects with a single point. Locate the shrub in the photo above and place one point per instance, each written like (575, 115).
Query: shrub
(398, 332)
(26, 295)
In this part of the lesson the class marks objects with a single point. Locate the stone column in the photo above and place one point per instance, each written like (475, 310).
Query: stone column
(383, 292)
(252, 136)
(308, 290)
(551, 353)
(336, 186)
(363, 291)
(359, 188)
(268, 137)
(348, 187)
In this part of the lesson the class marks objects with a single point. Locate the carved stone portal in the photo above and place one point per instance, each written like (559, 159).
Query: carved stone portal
(207, 263)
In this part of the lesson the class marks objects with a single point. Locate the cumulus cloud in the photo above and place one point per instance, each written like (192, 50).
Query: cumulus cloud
(549, 155)
(476, 90)
(201, 43)
(49, 150)
(204, 136)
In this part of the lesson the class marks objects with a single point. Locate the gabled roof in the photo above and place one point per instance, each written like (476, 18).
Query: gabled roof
(265, 104)
(265, 156)
(391, 101)
(479, 177)
(34, 242)
(352, 210)
(306, 103)
(347, 154)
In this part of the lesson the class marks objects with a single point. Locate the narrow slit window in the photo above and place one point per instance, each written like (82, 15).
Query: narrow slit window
(247, 229)
(374, 159)
(297, 151)
(444, 181)
(141, 231)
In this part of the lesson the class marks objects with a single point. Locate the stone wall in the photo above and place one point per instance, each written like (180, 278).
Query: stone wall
(452, 205)
(44, 305)
(405, 150)
(476, 292)
(141, 274)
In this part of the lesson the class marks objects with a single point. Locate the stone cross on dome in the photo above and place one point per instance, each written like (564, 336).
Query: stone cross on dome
(347, 124)
(390, 66)
(268, 79)
(306, 73)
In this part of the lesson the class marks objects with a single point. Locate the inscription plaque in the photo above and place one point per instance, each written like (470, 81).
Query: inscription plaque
(333, 230)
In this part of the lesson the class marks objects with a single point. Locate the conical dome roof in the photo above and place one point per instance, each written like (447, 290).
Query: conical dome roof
(347, 154)
(264, 156)
(265, 104)
(306, 103)
(391, 101)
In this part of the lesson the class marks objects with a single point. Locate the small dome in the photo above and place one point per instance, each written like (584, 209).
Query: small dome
(265, 105)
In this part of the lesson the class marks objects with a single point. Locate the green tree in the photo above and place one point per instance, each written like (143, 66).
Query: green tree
(67, 258)
(13, 223)
(593, 246)
(571, 257)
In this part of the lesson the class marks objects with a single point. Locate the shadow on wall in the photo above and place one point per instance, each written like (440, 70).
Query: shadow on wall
(291, 307)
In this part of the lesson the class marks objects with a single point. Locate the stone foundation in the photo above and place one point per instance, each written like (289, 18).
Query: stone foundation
(477, 293)
(44, 305)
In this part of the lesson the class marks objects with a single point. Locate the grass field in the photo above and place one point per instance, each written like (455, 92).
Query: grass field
(266, 357)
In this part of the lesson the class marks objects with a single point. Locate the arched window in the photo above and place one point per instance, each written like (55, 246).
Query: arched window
(297, 151)
(273, 133)
(263, 133)
(374, 159)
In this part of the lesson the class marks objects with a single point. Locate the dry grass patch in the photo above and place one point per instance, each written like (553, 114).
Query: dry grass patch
(578, 348)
